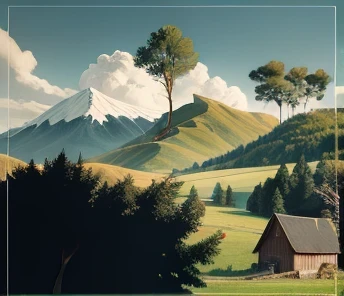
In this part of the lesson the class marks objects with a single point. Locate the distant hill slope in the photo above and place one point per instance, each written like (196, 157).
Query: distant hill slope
(203, 129)
(310, 134)
(112, 173)
(8, 163)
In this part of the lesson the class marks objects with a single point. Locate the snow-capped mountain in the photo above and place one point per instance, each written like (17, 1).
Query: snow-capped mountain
(88, 122)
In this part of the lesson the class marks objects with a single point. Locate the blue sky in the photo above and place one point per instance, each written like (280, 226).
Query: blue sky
(231, 41)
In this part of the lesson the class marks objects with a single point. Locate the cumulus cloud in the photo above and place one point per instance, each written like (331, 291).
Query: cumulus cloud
(23, 63)
(117, 77)
(20, 112)
(340, 96)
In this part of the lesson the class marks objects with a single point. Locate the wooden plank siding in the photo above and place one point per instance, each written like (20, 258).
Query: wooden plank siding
(277, 248)
(312, 261)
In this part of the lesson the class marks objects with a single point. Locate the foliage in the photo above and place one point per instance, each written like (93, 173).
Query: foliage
(277, 202)
(301, 186)
(311, 134)
(229, 197)
(219, 195)
(193, 191)
(115, 232)
(166, 57)
(254, 199)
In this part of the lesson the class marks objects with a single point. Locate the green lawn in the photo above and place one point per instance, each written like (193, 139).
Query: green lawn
(243, 232)
(260, 287)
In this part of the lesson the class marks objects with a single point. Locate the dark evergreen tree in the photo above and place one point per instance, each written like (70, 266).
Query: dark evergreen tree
(265, 202)
(193, 191)
(282, 180)
(301, 186)
(195, 166)
(277, 202)
(216, 189)
(219, 195)
(253, 201)
(105, 235)
(230, 197)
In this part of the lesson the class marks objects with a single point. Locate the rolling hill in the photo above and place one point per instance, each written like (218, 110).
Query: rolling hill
(200, 130)
(311, 134)
(112, 173)
(8, 163)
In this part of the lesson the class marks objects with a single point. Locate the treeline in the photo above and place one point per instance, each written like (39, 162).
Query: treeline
(70, 233)
(294, 194)
(310, 134)
(219, 196)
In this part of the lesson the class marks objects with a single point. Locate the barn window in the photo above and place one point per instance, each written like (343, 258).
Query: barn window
(278, 231)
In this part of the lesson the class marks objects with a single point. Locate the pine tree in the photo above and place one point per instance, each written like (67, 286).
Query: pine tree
(229, 197)
(282, 180)
(253, 201)
(193, 192)
(301, 186)
(277, 202)
(219, 195)
(216, 189)
(265, 202)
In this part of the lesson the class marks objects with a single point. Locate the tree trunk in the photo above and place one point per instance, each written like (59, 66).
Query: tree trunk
(65, 259)
(280, 113)
(167, 129)
(288, 110)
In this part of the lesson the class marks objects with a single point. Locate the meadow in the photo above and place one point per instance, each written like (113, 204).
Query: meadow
(243, 231)
(241, 180)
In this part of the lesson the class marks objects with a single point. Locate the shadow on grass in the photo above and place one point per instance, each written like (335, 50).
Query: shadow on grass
(233, 273)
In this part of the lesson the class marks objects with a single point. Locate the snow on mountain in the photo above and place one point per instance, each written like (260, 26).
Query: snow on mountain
(94, 103)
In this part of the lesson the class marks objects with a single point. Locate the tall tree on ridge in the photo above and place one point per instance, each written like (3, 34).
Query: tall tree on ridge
(166, 57)
(316, 85)
(273, 86)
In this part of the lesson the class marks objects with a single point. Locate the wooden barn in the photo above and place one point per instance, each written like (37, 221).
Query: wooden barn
(297, 243)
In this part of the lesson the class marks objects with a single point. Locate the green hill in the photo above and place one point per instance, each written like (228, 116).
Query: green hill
(311, 134)
(200, 130)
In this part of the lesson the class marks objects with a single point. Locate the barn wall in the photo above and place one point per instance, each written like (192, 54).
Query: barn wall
(277, 248)
(312, 261)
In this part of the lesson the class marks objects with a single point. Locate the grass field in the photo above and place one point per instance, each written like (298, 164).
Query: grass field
(273, 286)
(112, 173)
(243, 232)
(241, 180)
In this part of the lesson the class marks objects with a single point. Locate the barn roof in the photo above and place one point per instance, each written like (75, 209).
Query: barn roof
(305, 235)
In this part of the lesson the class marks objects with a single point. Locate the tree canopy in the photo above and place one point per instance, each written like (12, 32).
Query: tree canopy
(167, 56)
(100, 238)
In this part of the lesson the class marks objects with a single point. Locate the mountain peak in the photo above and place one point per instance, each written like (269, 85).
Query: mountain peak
(91, 102)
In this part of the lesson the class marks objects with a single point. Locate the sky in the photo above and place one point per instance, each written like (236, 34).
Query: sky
(52, 48)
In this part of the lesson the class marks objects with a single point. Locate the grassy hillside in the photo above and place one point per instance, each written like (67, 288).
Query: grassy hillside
(241, 180)
(8, 163)
(311, 134)
(200, 130)
(112, 173)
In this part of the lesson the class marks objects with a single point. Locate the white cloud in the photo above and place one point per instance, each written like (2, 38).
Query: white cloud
(117, 77)
(23, 63)
(20, 112)
(340, 96)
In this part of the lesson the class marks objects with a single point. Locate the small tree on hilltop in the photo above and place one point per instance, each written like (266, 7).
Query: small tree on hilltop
(229, 197)
(167, 56)
(277, 203)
